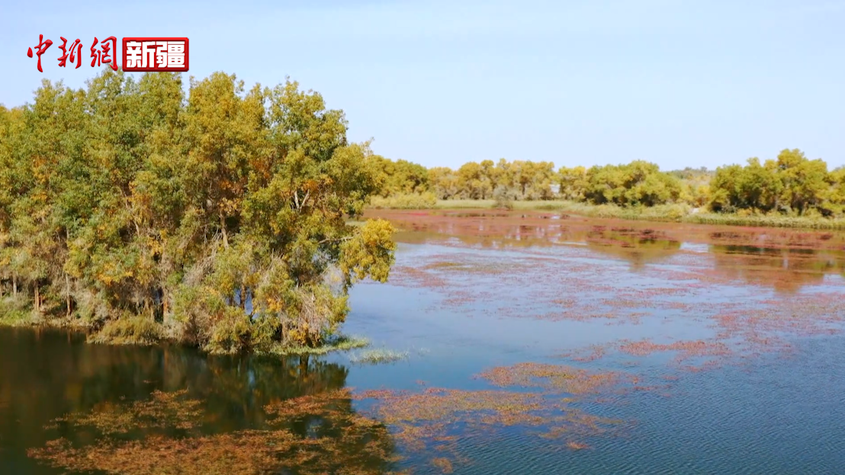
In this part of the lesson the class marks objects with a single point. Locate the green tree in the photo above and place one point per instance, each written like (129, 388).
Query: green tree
(805, 182)
(637, 183)
(222, 215)
(573, 183)
(790, 184)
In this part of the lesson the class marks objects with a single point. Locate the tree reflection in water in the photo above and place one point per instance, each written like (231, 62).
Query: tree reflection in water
(637, 246)
(175, 410)
(784, 270)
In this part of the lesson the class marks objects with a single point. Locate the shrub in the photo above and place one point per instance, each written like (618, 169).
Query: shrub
(134, 330)
(502, 198)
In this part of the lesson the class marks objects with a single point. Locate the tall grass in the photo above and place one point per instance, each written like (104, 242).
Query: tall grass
(767, 221)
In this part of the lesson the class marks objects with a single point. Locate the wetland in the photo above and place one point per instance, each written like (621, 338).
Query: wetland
(531, 343)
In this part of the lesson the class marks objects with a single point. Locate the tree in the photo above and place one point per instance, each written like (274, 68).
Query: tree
(637, 183)
(222, 215)
(573, 183)
(805, 182)
(399, 177)
(790, 183)
(443, 182)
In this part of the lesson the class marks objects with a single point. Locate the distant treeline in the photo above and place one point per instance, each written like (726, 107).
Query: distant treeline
(790, 185)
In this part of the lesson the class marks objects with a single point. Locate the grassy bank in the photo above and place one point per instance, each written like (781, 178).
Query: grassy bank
(766, 221)
(672, 213)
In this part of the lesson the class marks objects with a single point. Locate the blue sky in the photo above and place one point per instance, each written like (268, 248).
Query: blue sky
(680, 83)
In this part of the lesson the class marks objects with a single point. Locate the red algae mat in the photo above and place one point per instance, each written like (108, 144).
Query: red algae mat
(752, 290)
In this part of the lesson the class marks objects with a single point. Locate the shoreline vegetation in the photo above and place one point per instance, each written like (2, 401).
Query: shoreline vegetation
(231, 220)
(680, 213)
(788, 191)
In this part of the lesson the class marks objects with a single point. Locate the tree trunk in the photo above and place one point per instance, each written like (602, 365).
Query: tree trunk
(37, 299)
(14, 285)
(243, 297)
(223, 230)
(67, 293)
(67, 277)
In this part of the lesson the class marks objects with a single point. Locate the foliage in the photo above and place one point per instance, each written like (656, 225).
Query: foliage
(134, 330)
(790, 185)
(334, 343)
(422, 200)
(523, 180)
(220, 218)
(399, 177)
(637, 183)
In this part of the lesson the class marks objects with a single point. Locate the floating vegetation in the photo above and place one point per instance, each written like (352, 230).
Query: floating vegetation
(237, 453)
(685, 349)
(467, 266)
(160, 411)
(319, 433)
(441, 416)
(558, 378)
(577, 446)
(378, 356)
(588, 354)
(336, 343)
(443, 463)
(337, 440)
(705, 268)
(720, 283)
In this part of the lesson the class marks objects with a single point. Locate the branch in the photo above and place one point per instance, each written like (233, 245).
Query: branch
(347, 238)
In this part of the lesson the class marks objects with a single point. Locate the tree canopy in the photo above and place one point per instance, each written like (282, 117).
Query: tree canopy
(220, 217)
(791, 183)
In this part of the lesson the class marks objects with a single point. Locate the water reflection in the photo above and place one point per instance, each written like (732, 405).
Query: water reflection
(785, 270)
(782, 259)
(119, 386)
(638, 246)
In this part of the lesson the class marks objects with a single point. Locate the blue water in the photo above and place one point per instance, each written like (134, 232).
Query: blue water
(765, 410)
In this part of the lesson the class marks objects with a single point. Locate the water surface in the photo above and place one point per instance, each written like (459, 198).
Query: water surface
(537, 343)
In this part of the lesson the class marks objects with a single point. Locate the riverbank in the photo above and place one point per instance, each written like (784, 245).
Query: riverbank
(141, 331)
(680, 213)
